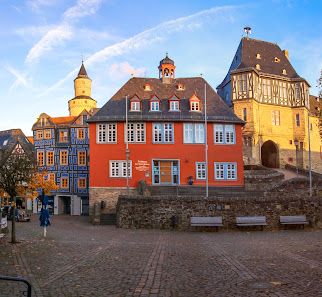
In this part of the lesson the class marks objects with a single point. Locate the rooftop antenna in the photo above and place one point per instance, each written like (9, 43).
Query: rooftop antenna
(247, 30)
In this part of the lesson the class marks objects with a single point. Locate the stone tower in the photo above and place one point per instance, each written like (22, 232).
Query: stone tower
(82, 99)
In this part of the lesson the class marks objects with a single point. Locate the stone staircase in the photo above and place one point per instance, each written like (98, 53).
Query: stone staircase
(201, 191)
(108, 219)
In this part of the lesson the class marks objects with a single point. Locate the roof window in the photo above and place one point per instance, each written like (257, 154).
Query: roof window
(284, 71)
(180, 86)
(258, 67)
(277, 60)
(258, 56)
(147, 87)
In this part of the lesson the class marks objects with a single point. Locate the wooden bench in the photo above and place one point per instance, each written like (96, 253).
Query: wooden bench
(293, 220)
(251, 221)
(206, 222)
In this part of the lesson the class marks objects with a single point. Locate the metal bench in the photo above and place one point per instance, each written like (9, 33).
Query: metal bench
(251, 221)
(206, 222)
(293, 220)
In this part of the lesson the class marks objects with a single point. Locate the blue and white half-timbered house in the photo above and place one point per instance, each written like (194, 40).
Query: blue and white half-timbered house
(62, 150)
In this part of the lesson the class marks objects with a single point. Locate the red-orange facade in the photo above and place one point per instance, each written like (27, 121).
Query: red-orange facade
(165, 136)
(165, 163)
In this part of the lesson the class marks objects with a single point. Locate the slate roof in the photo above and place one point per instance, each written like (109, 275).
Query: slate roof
(217, 110)
(268, 52)
(82, 72)
(9, 139)
(166, 60)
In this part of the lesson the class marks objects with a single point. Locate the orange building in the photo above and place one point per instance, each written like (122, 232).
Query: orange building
(165, 136)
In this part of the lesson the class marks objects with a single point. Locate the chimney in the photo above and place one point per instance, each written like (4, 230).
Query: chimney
(286, 54)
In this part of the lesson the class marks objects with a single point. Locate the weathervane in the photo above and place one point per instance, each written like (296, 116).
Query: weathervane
(82, 58)
(247, 30)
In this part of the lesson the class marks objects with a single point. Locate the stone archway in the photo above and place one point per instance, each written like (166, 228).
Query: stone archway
(269, 153)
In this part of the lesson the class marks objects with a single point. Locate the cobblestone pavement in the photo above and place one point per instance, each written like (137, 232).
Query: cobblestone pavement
(77, 259)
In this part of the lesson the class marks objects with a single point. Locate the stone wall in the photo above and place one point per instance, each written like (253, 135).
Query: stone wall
(109, 196)
(287, 198)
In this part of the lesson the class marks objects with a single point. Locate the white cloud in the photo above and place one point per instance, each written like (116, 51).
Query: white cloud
(81, 9)
(125, 69)
(64, 30)
(20, 78)
(147, 37)
(36, 4)
(51, 38)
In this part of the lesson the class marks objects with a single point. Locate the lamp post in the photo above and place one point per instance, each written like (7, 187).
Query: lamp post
(127, 155)
(296, 142)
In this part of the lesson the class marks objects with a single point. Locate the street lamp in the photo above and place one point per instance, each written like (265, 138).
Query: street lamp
(127, 155)
(296, 142)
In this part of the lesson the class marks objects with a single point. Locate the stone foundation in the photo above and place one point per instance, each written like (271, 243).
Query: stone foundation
(109, 196)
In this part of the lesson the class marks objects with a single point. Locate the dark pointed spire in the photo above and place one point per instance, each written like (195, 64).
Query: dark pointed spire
(82, 72)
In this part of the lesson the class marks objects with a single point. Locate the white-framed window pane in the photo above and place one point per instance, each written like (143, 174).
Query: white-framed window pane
(219, 171)
(157, 132)
(154, 106)
(174, 105)
(201, 170)
(168, 132)
(118, 169)
(135, 106)
(188, 133)
(219, 131)
(229, 130)
(136, 132)
(199, 133)
(106, 133)
(231, 171)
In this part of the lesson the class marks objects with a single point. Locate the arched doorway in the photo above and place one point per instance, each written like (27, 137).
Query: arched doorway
(269, 153)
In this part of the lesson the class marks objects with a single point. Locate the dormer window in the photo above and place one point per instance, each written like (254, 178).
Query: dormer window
(194, 103)
(154, 103)
(284, 71)
(258, 56)
(195, 106)
(147, 87)
(174, 103)
(180, 86)
(135, 103)
(258, 67)
(277, 60)
(135, 106)
(43, 122)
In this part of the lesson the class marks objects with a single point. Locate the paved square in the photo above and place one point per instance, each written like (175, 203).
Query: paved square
(78, 259)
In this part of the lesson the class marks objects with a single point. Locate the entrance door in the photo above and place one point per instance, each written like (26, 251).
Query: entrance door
(269, 154)
(67, 205)
(165, 172)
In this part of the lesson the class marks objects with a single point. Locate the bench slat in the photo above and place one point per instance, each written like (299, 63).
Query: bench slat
(206, 224)
(206, 220)
(253, 224)
(251, 220)
(289, 219)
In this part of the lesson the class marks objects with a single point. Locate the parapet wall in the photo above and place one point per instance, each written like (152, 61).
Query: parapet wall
(156, 212)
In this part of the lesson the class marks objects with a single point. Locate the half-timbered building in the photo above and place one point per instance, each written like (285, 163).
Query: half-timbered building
(266, 92)
(62, 150)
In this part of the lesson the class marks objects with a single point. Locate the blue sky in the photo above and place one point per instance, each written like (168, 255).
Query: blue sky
(42, 42)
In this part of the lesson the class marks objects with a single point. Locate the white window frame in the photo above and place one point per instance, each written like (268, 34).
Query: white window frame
(155, 106)
(192, 133)
(224, 134)
(194, 106)
(174, 105)
(117, 168)
(135, 133)
(242, 83)
(226, 171)
(106, 133)
(163, 132)
(135, 106)
(276, 118)
(200, 170)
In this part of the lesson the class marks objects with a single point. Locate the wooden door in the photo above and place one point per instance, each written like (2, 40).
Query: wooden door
(165, 172)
